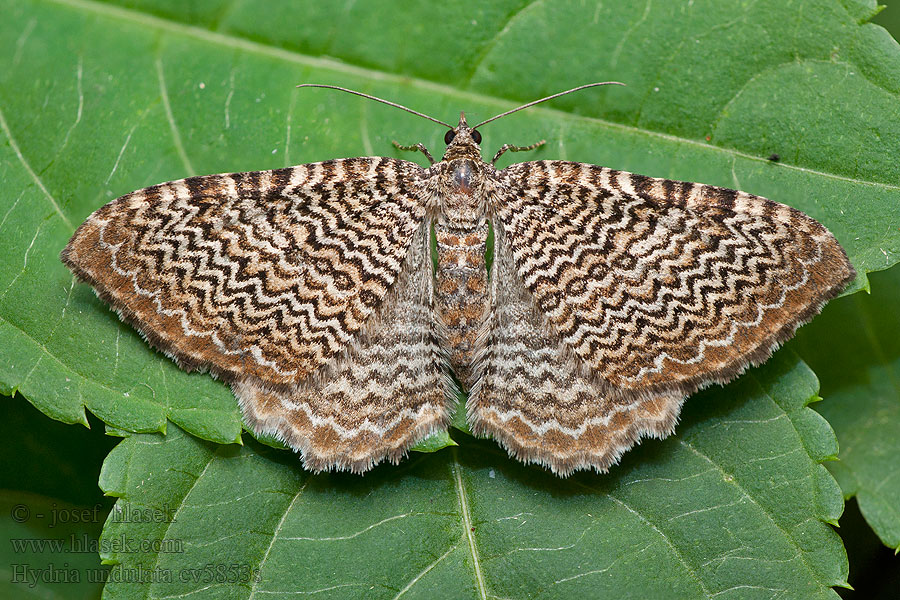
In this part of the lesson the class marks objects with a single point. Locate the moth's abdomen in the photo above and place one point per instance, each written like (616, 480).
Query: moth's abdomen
(462, 298)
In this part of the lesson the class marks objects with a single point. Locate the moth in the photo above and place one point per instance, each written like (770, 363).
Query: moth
(310, 290)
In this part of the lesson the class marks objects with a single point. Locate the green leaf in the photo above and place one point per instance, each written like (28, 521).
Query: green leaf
(732, 506)
(97, 100)
(861, 382)
(434, 442)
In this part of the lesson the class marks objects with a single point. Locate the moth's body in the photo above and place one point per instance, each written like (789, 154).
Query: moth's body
(462, 300)
(612, 296)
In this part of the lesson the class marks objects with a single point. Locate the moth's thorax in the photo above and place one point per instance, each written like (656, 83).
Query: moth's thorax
(462, 146)
(462, 201)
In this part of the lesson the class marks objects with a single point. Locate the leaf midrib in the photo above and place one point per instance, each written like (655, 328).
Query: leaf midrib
(466, 518)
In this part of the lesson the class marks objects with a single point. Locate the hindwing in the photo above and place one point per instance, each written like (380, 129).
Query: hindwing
(388, 392)
(534, 397)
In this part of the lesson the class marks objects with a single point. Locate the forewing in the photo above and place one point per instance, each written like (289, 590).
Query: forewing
(659, 285)
(532, 396)
(267, 274)
(385, 395)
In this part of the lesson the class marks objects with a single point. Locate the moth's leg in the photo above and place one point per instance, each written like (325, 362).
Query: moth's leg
(512, 148)
(415, 147)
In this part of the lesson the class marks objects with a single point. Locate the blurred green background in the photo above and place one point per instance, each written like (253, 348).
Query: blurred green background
(874, 569)
(889, 18)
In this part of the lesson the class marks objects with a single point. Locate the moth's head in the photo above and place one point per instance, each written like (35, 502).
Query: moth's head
(462, 141)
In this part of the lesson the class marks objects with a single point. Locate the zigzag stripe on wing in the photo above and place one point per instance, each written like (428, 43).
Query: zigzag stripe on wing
(534, 399)
(279, 268)
(638, 275)
(388, 391)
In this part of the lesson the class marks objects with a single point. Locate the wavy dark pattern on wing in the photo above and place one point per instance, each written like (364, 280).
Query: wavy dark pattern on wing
(388, 392)
(661, 285)
(267, 274)
(533, 398)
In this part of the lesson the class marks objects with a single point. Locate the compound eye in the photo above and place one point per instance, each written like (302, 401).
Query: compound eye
(448, 137)
(476, 136)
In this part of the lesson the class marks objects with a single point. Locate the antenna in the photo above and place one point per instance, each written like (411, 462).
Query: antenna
(377, 99)
(447, 125)
(575, 89)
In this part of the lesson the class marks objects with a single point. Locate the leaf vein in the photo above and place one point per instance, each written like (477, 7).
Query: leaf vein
(732, 481)
(425, 571)
(488, 45)
(15, 146)
(176, 135)
(665, 538)
(355, 534)
(255, 588)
